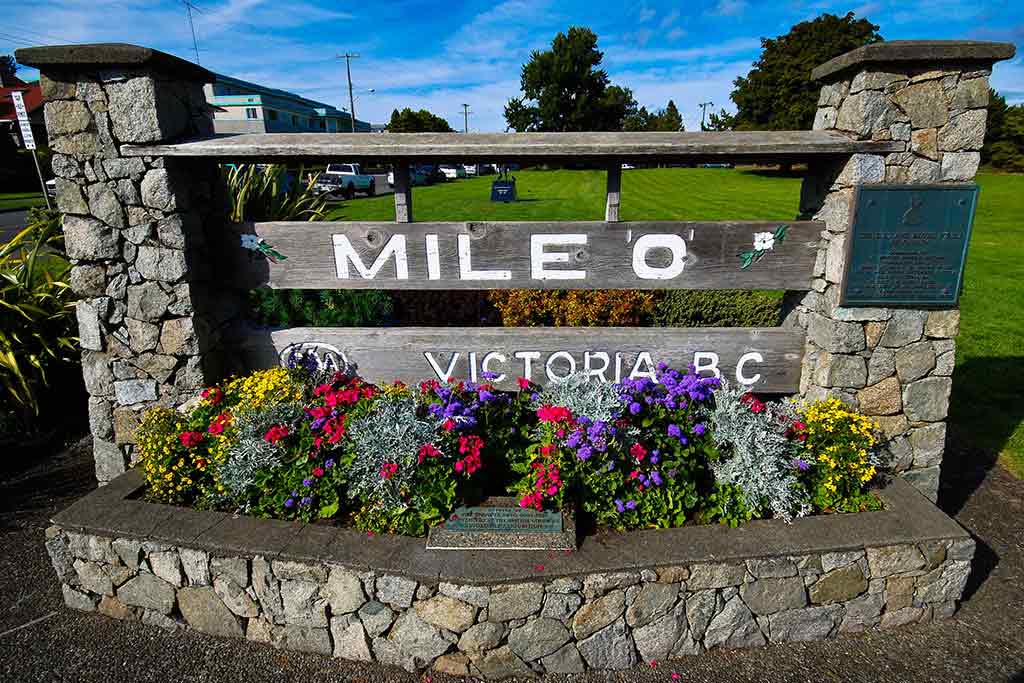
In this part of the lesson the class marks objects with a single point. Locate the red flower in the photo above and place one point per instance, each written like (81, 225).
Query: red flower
(429, 385)
(201, 464)
(276, 433)
(219, 423)
(638, 451)
(318, 472)
(449, 425)
(191, 439)
(547, 449)
(427, 450)
(388, 470)
(524, 384)
(549, 413)
(214, 395)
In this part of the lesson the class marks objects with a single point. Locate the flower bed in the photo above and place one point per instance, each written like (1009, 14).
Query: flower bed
(661, 451)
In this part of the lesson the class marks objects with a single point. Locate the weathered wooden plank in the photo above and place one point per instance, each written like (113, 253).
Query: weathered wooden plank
(613, 193)
(766, 359)
(556, 255)
(749, 145)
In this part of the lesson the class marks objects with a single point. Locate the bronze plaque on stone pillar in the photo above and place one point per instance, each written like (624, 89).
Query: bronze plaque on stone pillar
(907, 245)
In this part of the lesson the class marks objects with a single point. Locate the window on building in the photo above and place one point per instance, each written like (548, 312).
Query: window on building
(295, 120)
(323, 125)
(250, 113)
(272, 114)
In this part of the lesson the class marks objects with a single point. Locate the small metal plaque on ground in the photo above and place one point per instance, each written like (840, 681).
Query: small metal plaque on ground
(908, 244)
(500, 524)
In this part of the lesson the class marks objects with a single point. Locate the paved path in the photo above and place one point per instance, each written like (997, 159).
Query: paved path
(984, 643)
(11, 223)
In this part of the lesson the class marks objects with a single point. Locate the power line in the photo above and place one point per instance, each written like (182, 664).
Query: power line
(188, 10)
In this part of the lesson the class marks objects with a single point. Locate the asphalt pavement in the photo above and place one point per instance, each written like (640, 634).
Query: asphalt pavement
(11, 223)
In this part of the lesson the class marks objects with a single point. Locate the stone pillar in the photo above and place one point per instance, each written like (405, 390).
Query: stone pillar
(894, 364)
(134, 228)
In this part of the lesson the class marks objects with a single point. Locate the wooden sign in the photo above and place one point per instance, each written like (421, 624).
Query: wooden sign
(501, 524)
(578, 255)
(908, 245)
(766, 360)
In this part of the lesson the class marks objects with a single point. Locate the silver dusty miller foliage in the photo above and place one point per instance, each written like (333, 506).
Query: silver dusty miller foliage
(392, 433)
(756, 456)
(251, 451)
(584, 395)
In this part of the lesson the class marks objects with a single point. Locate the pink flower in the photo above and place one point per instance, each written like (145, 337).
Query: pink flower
(190, 439)
(388, 470)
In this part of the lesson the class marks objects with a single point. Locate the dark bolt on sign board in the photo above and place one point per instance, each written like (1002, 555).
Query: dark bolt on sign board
(908, 244)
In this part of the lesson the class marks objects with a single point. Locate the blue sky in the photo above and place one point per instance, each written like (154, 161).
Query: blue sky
(436, 55)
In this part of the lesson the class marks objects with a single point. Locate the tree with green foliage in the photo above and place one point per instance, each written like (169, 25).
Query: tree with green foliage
(995, 124)
(668, 119)
(8, 67)
(422, 121)
(564, 89)
(778, 93)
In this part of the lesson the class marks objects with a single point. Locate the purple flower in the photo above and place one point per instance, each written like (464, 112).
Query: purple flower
(584, 452)
(619, 506)
(683, 440)
(305, 501)
(574, 439)
(486, 395)
(330, 463)
(654, 460)
(307, 482)
(535, 396)
(289, 503)
(699, 429)
(611, 465)
(487, 374)
(635, 408)
(674, 431)
(631, 505)
(656, 478)
(801, 464)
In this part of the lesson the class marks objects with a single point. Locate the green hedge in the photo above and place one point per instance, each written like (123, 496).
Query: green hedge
(719, 308)
(319, 308)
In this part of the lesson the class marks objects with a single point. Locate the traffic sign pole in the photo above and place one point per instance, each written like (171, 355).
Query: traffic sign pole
(29, 140)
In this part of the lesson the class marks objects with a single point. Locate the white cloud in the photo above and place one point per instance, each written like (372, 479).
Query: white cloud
(730, 8)
(670, 19)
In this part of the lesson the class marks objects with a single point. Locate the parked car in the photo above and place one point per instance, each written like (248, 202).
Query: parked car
(470, 169)
(628, 167)
(345, 180)
(453, 172)
(416, 177)
(717, 165)
(432, 173)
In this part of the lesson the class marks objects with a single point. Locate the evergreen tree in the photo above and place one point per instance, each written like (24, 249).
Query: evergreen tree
(565, 90)
(422, 121)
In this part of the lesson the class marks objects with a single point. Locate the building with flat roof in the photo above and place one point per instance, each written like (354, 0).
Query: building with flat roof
(243, 107)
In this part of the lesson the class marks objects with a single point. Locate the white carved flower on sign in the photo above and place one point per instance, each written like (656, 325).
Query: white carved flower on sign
(763, 241)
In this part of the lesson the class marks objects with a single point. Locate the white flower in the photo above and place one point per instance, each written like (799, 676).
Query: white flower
(250, 242)
(763, 241)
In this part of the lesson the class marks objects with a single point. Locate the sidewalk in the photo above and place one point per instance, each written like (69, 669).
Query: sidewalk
(984, 643)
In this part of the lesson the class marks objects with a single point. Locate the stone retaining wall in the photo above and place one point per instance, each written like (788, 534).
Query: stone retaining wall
(570, 624)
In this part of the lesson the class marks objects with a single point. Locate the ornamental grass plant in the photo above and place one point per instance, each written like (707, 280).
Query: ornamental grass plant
(664, 448)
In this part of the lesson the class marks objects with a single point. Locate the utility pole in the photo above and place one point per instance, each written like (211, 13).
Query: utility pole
(351, 100)
(188, 9)
(703, 108)
(465, 118)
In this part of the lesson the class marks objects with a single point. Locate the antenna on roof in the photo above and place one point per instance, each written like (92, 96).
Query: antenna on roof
(188, 10)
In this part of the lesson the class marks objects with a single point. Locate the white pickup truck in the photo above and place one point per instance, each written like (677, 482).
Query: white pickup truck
(344, 180)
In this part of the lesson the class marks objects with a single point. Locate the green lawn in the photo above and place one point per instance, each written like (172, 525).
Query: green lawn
(663, 193)
(988, 393)
(20, 200)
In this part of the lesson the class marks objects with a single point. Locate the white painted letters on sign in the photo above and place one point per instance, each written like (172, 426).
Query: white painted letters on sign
(344, 253)
(539, 257)
(675, 244)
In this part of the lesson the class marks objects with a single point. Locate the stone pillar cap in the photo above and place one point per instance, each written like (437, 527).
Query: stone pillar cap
(108, 55)
(921, 51)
